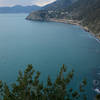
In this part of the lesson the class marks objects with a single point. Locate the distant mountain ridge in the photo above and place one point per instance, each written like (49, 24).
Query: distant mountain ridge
(19, 9)
(85, 12)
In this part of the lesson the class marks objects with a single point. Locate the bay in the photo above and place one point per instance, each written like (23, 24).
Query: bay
(46, 45)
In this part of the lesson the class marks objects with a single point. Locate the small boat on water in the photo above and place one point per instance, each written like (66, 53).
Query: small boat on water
(96, 85)
(97, 90)
(95, 82)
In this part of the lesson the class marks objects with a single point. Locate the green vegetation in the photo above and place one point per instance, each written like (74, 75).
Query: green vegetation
(29, 87)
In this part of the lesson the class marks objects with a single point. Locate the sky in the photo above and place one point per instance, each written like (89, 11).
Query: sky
(25, 2)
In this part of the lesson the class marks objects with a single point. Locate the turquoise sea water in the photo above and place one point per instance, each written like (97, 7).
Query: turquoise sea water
(46, 45)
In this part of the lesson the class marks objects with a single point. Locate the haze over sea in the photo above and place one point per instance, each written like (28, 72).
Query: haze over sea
(46, 45)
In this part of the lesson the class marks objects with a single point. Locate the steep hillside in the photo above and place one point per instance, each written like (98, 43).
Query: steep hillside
(59, 5)
(53, 10)
(88, 12)
(85, 12)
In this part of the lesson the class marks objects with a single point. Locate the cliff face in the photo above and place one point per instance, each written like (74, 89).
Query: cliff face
(37, 16)
(85, 11)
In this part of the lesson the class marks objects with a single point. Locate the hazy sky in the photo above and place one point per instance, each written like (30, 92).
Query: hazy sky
(25, 2)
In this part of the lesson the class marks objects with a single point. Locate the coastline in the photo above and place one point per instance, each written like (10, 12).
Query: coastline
(78, 23)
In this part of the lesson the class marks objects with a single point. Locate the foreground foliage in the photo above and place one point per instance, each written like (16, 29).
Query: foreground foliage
(29, 87)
